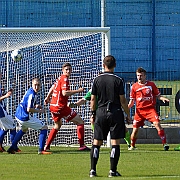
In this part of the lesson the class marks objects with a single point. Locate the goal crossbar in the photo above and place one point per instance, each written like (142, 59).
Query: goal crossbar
(27, 37)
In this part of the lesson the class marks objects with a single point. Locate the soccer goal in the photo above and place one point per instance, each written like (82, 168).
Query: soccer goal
(44, 51)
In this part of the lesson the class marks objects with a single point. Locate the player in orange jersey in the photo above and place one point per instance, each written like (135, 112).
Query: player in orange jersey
(58, 99)
(144, 93)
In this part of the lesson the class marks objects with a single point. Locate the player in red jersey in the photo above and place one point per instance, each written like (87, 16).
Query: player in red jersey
(144, 93)
(58, 99)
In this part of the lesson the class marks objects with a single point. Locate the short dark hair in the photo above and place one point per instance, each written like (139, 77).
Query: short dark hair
(109, 61)
(140, 70)
(66, 64)
(37, 80)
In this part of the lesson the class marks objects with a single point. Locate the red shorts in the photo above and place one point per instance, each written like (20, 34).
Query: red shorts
(145, 114)
(67, 113)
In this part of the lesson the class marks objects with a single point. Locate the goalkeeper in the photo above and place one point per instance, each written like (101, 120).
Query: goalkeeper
(87, 97)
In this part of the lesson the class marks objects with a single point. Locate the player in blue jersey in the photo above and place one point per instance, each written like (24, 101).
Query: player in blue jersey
(25, 108)
(6, 120)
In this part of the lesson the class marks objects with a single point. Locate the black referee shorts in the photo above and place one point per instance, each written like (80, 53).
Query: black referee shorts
(109, 121)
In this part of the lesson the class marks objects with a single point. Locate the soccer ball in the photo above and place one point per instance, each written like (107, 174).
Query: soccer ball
(16, 55)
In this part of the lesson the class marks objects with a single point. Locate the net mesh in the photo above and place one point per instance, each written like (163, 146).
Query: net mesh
(44, 53)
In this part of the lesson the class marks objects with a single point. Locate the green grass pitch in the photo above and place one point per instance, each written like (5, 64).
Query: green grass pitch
(149, 161)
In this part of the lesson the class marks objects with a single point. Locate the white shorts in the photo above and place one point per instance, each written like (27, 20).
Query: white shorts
(33, 123)
(7, 122)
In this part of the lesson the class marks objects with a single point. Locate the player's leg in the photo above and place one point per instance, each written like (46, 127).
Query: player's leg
(36, 124)
(6, 123)
(2, 135)
(114, 157)
(53, 132)
(133, 138)
(80, 131)
(117, 131)
(17, 138)
(12, 134)
(94, 156)
(72, 116)
(42, 140)
(12, 130)
(162, 135)
(128, 138)
(177, 148)
(99, 131)
(154, 118)
(137, 122)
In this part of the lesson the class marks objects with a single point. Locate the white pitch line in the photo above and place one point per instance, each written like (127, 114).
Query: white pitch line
(150, 177)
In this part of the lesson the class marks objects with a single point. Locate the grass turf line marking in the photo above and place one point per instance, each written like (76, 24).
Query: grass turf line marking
(150, 177)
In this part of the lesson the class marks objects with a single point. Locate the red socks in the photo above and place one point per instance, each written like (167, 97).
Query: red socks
(80, 134)
(162, 136)
(133, 142)
(51, 136)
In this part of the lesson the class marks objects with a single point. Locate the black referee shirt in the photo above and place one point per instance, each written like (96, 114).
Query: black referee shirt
(107, 87)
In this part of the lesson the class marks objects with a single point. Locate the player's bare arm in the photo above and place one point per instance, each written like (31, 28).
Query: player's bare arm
(93, 103)
(93, 108)
(8, 94)
(131, 103)
(35, 110)
(78, 103)
(124, 105)
(48, 97)
(72, 92)
(163, 99)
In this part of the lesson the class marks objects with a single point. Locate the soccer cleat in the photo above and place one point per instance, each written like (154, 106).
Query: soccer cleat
(131, 148)
(18, 150)
(2, 149)
(92, 173)
(47, 148)
(44, 152)
(114, 174)
(84, 148)
(166, 147)
(11, 150)
(177, 148)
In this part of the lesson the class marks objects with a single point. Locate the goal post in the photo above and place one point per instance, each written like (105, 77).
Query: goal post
(44, 52)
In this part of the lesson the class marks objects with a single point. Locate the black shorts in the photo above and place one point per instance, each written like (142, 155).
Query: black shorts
(109, 121)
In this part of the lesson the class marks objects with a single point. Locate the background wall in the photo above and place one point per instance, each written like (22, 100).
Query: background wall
(143, 32)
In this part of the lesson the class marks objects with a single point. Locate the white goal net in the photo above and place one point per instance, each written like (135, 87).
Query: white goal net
(44, 52)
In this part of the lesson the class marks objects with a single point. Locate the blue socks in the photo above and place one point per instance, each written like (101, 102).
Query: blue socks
(12, 134)
(17, 138)
(2, 134)
(42, 139)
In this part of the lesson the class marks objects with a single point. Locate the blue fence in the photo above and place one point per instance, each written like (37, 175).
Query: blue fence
(143, 32)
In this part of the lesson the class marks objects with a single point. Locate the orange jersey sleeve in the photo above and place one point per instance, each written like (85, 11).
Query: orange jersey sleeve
(144, 95)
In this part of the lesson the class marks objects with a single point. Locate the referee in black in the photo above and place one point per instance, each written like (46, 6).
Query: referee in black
(108, 89)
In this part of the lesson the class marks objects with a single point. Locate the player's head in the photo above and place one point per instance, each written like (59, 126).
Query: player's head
(141, 75)
(109, 62)
(36, 84)
(67, 69)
